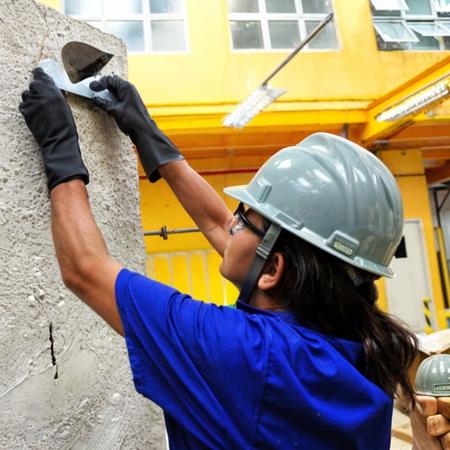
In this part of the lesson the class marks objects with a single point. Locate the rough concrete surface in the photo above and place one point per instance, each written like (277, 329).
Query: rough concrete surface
(92, 403)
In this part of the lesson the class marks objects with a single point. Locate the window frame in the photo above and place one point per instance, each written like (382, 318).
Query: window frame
(264, 17)
(386, 39)
(399, 2)
(409, 21)
(147, 18)
(444, 32)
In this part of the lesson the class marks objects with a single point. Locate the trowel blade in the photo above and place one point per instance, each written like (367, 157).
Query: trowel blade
(82, 60)
(63, 82)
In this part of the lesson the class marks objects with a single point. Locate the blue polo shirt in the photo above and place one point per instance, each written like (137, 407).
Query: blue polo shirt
(246, 378)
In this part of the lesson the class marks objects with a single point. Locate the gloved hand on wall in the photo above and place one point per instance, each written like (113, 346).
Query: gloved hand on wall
(50, 120)
(154, 147)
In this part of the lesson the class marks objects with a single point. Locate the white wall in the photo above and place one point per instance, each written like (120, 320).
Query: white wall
(92, 403)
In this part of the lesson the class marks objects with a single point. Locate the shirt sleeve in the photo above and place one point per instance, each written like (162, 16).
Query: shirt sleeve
(203, 364)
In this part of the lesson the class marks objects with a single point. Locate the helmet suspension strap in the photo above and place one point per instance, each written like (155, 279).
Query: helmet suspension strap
(263, 252)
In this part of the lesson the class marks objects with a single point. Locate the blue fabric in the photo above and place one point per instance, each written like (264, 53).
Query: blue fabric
(246, 378)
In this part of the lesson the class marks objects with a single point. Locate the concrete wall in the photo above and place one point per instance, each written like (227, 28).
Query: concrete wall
(80, 395)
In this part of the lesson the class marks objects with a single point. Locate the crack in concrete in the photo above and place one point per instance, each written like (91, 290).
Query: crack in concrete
(41, 47)
(52, 349)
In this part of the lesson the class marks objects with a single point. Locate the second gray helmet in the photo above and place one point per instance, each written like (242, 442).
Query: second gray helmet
(334, 194)
(433, 376)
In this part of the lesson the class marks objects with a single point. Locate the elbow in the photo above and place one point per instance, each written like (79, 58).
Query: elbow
(73, 279)
(77, 277)
(82, 275)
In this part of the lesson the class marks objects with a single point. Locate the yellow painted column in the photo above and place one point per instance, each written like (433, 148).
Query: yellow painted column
(56, 4)
(408, 169)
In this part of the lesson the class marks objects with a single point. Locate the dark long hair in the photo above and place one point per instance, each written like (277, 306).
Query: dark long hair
(318, 288)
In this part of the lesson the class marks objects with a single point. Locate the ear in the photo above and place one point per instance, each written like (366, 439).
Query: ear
(273, 272)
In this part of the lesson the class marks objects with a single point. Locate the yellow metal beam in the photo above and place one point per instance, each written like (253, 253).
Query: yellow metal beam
(436, 154)
(380, 130)
(300, 120)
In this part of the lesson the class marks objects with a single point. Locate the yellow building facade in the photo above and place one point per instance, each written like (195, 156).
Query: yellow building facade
(339, 90)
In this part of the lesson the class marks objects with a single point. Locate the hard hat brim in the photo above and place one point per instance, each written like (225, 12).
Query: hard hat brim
(241, 194)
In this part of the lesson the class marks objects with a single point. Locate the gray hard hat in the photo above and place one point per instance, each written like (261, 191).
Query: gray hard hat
(433, 376)
(334, 194)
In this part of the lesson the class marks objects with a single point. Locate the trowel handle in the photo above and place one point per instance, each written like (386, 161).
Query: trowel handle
(107, 95)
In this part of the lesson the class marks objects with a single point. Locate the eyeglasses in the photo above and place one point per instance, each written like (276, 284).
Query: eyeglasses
(242, 222)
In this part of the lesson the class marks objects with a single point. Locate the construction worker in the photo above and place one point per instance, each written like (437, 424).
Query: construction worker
(306, 360)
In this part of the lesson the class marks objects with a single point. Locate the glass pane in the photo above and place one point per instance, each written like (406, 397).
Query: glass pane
(390, 5)
(418, 8)
(91, 8)
(246, 34)
(428, 29)
(243, 6)
(281, 6)
(165, 6)
(326, 39)
(132, 32)
(284, 34)
(425, 43)
(381, 13)
(395, 31)
(121, 8)
(390, 46)
(316, 6)
(168, 36)
(442, 7)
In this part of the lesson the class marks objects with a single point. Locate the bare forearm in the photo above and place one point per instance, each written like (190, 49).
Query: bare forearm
(86, 267)
(201, 202)
(75, 233)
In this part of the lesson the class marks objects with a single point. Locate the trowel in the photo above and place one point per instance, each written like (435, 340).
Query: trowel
(82, 62)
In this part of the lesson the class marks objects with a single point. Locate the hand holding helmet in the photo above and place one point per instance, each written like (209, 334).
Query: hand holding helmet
(433, 404)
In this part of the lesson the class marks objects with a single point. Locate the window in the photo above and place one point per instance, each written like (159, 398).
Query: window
(394, 31)
(412, 24)
(389, 5)
(144, 25)
(279, 24)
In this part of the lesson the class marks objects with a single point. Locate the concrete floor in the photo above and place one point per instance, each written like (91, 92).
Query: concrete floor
(398, 444)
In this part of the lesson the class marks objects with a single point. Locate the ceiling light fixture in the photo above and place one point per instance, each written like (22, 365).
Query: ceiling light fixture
(416, 102)
(264, 95)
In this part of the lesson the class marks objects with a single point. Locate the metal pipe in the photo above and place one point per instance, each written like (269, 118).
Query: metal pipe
(305, 41)
(436, 206)
(164, 232)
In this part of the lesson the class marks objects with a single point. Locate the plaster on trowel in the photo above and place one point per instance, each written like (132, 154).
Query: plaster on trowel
(81, 63)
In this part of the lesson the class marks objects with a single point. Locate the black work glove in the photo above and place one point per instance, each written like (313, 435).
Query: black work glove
(153, 146)
(50, 120)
